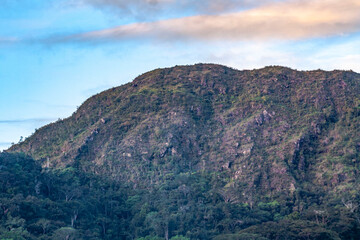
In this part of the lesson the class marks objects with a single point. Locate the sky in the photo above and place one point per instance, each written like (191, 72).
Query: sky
(54, 54)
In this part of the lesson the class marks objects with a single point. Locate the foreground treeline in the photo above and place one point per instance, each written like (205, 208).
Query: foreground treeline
(38, 203)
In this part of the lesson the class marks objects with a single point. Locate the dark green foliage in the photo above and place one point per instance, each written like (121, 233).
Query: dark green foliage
(240, 236)
(59, 204)
(70, 204)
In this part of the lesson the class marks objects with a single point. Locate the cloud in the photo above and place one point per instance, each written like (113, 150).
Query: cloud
(251, 55)
(147, 9)
(25, 121)
(292, 20)
(342, 56)
(12, 129)
(7, 40)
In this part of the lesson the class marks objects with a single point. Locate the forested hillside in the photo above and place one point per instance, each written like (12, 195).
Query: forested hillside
(41, 203)
(195, 152)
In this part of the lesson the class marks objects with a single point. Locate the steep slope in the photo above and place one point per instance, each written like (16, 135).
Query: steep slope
(263, 132)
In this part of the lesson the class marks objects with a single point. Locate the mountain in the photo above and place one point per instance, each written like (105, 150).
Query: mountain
(275, 136)
(269, 128)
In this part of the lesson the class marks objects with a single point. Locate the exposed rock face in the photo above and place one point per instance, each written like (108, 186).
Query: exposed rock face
(270, 129)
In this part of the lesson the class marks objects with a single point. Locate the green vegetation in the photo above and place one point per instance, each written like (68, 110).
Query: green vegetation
(41, 203)
(194, 152)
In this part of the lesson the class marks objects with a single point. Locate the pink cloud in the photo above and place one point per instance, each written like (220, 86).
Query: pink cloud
(290, 20)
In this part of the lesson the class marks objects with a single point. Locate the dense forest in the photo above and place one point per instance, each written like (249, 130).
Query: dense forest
(65, 204)
(194, 152)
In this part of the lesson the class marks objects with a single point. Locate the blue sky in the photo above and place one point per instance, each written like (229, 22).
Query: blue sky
(56, 54)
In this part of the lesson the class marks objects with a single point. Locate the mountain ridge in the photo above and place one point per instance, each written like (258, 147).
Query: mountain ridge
(197, 107)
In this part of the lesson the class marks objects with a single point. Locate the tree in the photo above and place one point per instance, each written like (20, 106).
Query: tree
(65, 233)
(44, 224)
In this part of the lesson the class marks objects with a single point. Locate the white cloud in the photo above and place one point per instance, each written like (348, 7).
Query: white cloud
(291, 20)
(342, 56)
